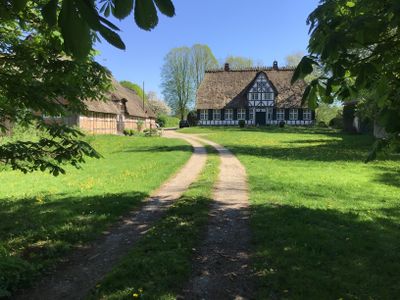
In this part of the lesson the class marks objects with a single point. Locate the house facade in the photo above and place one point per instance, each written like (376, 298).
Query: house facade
(259, 96)
(123, 109)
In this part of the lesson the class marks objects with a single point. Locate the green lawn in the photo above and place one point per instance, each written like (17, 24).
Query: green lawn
(159, 265)
(43, 217)
(325, 224)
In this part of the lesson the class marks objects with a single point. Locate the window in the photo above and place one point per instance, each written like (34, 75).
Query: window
(229, 114)
(203, 114)
(241, 114)
(293, 114)
(251, 114)
(280, 114)
(269, 113)
(306, 114)
(216, 114)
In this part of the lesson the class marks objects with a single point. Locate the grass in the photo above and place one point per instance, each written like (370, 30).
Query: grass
(325, 224)
(161, 262)
(43, 217)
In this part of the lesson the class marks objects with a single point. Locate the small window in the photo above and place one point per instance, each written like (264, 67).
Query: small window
(251, 114)
(203, 114)
(216, 114)
(280, 114)
(307, 114)
(293, 114)
(241, 114)
(229, 114)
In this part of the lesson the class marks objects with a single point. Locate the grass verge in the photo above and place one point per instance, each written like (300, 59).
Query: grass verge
(325, 224)
(159, 265)
(43, 217)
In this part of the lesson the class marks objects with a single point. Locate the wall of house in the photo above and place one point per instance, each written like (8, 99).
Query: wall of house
(210, 121)
(132, 123)
(99, 123)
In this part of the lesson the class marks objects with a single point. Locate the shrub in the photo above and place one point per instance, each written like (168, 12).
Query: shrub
(242, 123)
(161, 120)
(151, 132)
(192, 118)
(322, 124)
(282, 124)
(337, 123)
(140, 124)
(126, 131)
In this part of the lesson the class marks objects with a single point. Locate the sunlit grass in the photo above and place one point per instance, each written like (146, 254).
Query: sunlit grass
(326, 225)
(43, 217)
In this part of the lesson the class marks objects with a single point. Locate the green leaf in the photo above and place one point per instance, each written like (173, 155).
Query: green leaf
(350, 4)
(112, 37)
(146, 14)
(49, 12)
(122, 8)
(166, 7)
(303, 69)
(75, 30)
(89, 14)
(109, 24)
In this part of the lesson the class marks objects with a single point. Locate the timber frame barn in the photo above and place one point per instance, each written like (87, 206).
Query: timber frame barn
(259, 96)
(123, 109)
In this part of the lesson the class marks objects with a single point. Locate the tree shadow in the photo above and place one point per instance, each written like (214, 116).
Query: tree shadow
(304, 253)
(389, 176)
(181, 148)
(36, 233)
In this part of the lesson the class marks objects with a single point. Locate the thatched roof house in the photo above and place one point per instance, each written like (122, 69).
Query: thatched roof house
(122, 109)
(257, 95)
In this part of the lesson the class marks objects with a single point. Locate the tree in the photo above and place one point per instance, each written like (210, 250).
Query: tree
(177, 80)
(292, 60)
(135, 87)
(202, 59)
(238, 62)
(362, 59)
(158, 106)
(81, 21)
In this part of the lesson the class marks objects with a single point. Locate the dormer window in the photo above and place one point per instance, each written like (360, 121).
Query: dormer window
(261, 93)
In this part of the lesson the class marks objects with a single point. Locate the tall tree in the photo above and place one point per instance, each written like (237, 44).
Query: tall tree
(364, 58)
(292, 60)
(202, 60)
(239, 62)
(177, 81)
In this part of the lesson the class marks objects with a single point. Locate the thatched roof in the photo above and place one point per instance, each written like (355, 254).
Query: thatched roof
(228, 88)
(134, 105)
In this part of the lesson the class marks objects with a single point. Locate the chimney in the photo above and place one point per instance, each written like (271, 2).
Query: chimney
(226, 68)
(275, 65)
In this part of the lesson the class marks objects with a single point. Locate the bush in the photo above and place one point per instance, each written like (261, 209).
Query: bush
(151, 132)
(192, 118)
(162, 120)
(130, 132)
(140, 124)
(242, 123)
(337, 123)
(282, 124)
(322, 124)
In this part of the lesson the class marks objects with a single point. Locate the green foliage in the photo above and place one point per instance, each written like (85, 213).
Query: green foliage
(162, 120)
(326, 112)
(152, 132)
(242, 123)
(356, 61)
(160, 264)
(43, 218)
(172, 122)
(135, 87)
(140, 125)
(325, 225)
(238, 62)
(130, 132)
(81, 21)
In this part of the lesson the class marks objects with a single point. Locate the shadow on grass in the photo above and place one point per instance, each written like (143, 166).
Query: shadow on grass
(307, 253)
(35, 233)
(160, 263)
(182, 148)
(389, 176)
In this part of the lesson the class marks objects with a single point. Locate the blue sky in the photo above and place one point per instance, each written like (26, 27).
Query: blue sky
(264, 30)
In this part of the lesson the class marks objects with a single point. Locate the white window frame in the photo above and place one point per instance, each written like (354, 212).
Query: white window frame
(229, 114)
(216, 114)
(203, 114)
(307, 114)
(241, 114)
(293, 114)
(280, 114)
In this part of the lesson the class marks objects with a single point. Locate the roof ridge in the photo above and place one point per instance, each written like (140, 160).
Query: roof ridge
(251, 69)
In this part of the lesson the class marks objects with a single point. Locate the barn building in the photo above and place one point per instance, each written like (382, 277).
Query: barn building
(123, 109)
(259, 96)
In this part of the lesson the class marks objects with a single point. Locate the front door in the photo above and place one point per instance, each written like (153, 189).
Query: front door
(260, 118)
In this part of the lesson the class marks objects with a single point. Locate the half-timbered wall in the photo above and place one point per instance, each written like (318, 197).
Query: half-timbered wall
(99, 123)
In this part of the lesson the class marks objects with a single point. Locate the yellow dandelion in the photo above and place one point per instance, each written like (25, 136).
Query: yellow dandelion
(135, 295)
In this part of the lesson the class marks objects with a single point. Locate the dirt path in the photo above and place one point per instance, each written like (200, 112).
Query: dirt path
(221, 266)
(74, 279)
